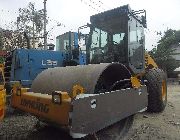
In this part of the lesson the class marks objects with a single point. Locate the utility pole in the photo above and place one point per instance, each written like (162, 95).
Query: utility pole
(18, 20)
(45, 33)
(33, 42)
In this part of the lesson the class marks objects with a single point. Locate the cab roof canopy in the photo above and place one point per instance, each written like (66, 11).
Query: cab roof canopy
(115, 20)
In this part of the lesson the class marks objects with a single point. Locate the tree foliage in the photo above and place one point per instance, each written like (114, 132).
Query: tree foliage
(10, 39)
(164, 51)
(1, 41)
(29, 16)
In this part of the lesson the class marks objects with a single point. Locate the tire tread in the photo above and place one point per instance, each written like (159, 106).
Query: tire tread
(154, 86)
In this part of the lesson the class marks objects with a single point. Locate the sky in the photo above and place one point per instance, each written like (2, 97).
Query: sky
(161, 14)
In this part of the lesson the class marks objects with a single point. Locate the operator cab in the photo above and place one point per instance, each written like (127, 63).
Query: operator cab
(67, 43)
(118, 36)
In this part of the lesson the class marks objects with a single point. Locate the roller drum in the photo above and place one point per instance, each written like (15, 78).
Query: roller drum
(90, 77)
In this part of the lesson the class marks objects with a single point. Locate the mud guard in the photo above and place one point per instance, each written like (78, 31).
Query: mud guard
(93, 112)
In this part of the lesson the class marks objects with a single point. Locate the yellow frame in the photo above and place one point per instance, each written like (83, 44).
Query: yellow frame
(2, 96)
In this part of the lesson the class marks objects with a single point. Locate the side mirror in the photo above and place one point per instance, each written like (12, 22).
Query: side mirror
(80, 34)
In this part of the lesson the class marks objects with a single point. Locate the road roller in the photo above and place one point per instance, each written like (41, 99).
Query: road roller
(100, 98)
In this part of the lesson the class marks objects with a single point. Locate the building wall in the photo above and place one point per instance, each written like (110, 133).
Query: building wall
(176, 53)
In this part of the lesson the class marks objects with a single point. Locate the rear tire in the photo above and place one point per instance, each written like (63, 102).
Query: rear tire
(157, 89)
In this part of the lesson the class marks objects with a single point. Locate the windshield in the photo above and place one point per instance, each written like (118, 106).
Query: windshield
(107, 46)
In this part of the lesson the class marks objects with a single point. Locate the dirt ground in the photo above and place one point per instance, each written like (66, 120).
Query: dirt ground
(162, 126)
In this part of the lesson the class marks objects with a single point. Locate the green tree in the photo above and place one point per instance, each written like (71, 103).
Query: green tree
(29, 16)
(1, 41)
(30, 21)
(164, 51)
(10, 39)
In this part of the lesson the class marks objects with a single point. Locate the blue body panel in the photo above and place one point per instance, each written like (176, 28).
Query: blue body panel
(82, 58)
(27, 64)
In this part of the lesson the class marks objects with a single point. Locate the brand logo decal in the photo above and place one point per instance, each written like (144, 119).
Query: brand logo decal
(49, 62)
(36, 105)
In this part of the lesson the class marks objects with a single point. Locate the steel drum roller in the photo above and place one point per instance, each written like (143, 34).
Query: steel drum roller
(90, 77)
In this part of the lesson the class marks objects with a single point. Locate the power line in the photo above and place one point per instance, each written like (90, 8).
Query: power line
(45, 33)
(57, 22)
(97, 4)
(154, 31)
(104, 4)
(90, 5)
